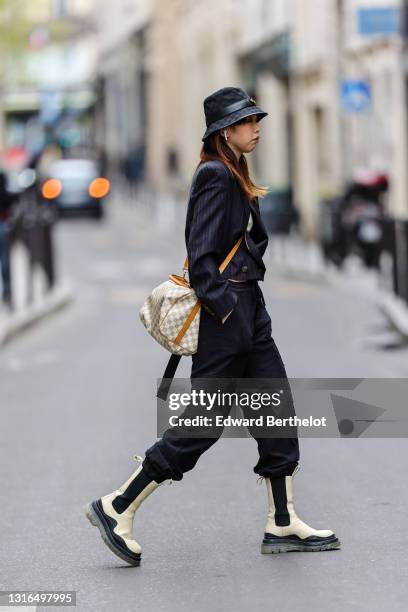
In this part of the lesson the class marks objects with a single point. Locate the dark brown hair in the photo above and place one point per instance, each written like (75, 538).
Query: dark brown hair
(215, 147)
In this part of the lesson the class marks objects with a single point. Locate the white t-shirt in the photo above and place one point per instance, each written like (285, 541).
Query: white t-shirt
(250, 223)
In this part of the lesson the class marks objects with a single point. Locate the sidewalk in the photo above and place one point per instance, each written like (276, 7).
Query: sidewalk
(12, 323)
(294, 257)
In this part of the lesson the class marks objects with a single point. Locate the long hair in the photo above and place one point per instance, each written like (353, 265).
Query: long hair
(215, 147)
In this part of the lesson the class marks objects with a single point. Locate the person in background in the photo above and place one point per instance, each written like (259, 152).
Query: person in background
(6, 200)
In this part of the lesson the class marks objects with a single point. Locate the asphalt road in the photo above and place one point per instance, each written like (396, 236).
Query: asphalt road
(78, 400)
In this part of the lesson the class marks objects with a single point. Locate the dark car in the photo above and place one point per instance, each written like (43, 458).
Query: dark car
(76, 186)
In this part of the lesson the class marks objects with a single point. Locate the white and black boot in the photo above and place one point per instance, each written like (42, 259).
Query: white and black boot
(284, 531)
(113, 514)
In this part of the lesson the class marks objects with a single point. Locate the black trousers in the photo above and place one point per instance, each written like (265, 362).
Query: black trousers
(242, 347)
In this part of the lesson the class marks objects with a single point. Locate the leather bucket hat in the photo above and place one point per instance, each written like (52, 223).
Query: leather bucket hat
(227, 106)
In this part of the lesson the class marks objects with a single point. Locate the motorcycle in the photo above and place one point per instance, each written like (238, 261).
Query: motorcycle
(355, 221)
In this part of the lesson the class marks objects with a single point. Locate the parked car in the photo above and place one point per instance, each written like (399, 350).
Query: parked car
(76, 186)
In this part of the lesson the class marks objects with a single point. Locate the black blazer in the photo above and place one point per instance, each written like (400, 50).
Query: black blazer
(217, 215)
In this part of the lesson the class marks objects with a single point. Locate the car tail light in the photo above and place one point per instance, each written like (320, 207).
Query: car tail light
(51, 189)
(99, 187)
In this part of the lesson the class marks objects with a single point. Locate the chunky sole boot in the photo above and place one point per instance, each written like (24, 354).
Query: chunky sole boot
(274, 544)
(106, 526)
(284, 530)
(113, 514)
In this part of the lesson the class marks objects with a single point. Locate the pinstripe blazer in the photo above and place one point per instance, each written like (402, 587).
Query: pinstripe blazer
(218, 212)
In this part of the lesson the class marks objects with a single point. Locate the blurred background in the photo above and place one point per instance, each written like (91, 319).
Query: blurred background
(117, 89)
(101, 120)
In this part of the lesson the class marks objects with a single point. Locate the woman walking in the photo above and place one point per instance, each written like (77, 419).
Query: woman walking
(235, 333)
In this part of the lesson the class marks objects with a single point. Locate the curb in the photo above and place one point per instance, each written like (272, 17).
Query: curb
(396, 311)
(61, 295)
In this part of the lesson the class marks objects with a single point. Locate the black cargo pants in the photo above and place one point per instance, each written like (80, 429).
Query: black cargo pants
(242, 347)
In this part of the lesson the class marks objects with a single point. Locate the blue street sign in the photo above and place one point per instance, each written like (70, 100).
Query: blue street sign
(355, 95)
(379, 21)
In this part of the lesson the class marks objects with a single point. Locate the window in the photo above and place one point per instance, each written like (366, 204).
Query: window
(61, 8)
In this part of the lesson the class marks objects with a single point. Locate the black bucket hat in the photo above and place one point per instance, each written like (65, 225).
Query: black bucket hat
(227, 106)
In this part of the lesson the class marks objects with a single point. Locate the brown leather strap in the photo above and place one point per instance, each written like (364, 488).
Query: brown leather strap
(179, 280)
(187, 322)
(197, 305)
(230, 255)
(226, 260)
